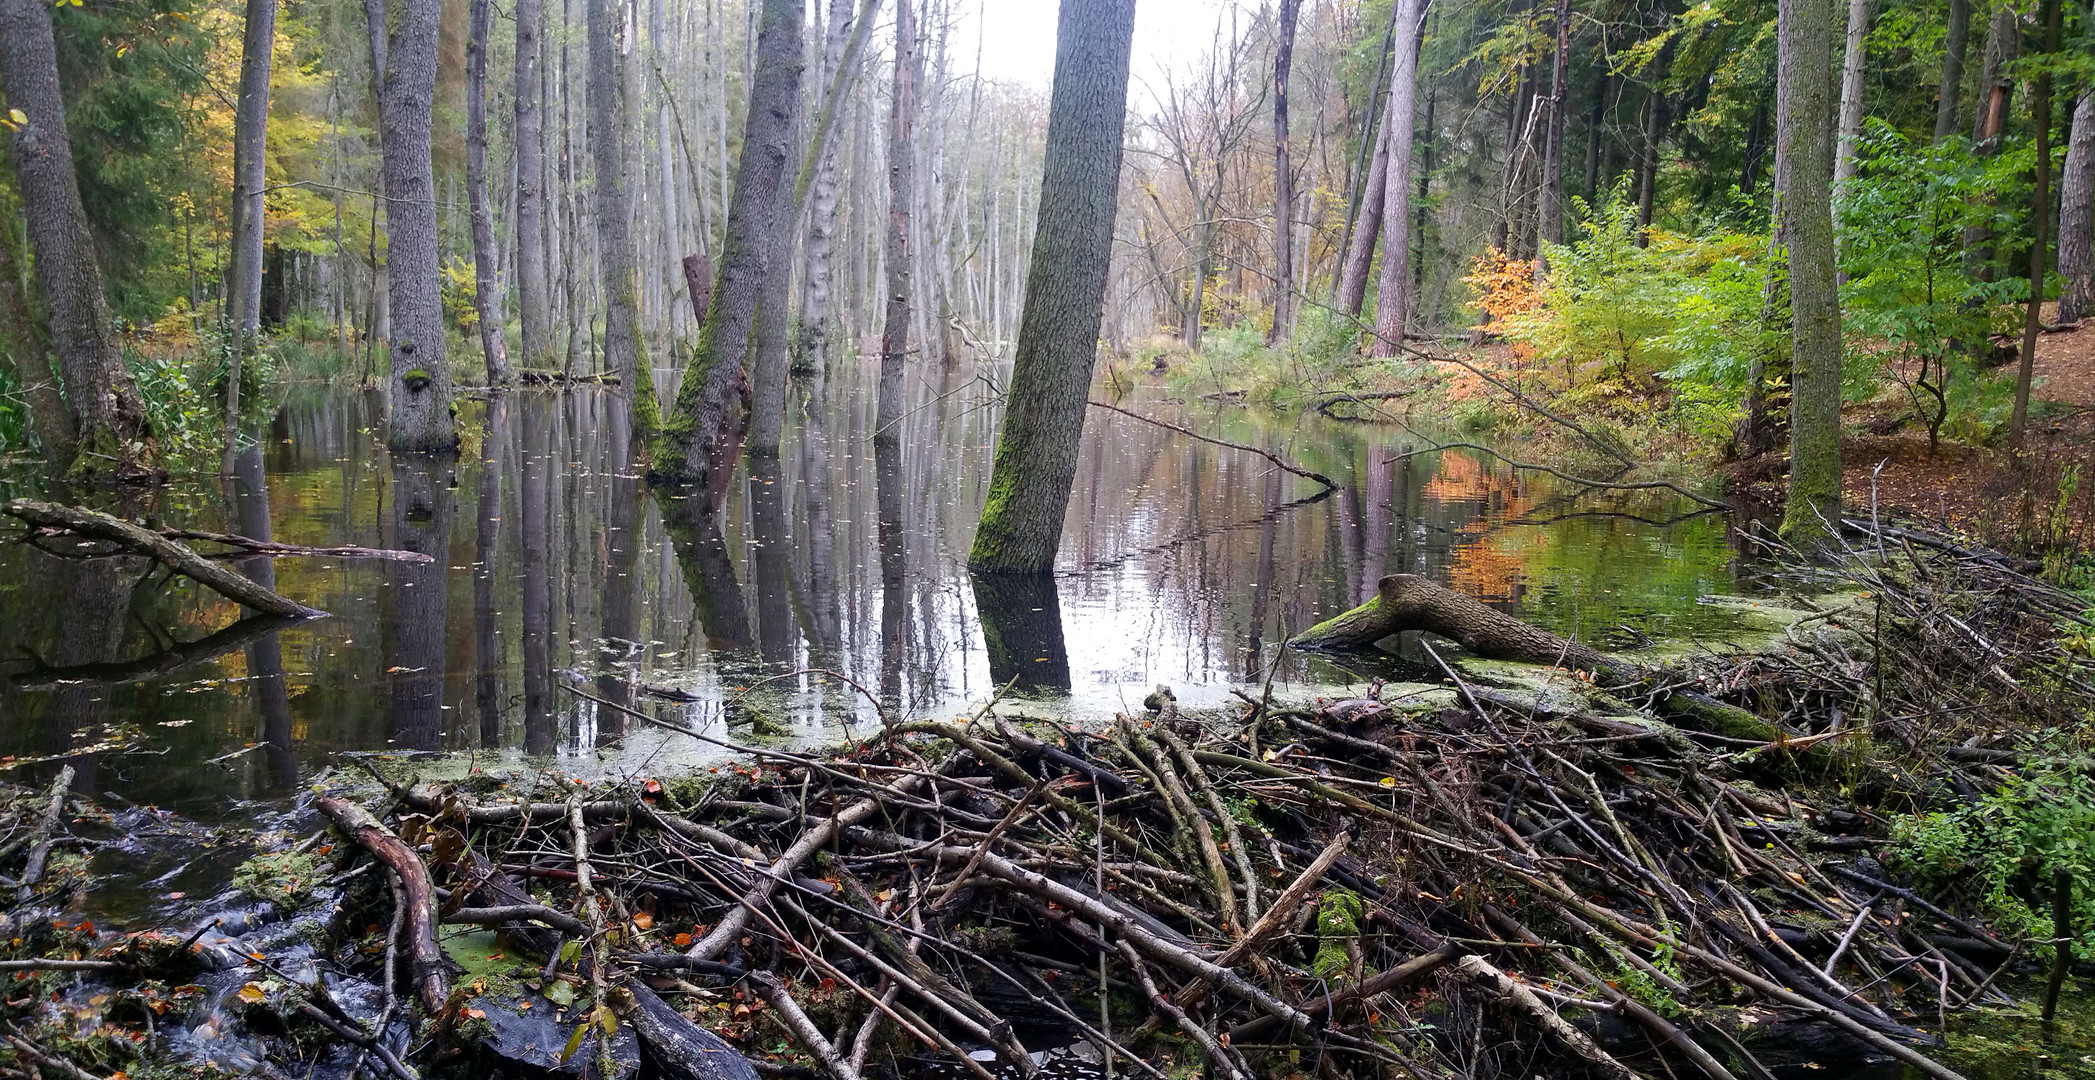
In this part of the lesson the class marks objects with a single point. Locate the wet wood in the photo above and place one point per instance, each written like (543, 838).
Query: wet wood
(175, 556)
(424, 955)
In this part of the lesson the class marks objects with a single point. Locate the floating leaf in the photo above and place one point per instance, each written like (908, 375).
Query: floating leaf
(253, 994)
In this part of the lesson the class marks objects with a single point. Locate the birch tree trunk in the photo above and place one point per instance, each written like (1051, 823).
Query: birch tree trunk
(487, 290)
(534, 297)
(625, 355)
(1391, 307)
(2077, 213)
(901, 188)
(1036, 458)
(1549, 200)
(1955, 40)
(1805, 85)
(250, 142)
(419, 398)
(108, 415)
(815, 316)
(1283, 179)
(709, 400)
(1852, 69)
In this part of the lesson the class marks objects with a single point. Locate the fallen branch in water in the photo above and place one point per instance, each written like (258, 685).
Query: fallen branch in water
(275, 549)
(1583, 481)
(419, 893)
(1280, 462)
(175, 556)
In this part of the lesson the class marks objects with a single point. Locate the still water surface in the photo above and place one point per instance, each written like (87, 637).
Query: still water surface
(559, 573)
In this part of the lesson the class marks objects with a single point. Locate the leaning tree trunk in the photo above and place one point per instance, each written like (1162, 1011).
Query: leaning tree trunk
(250, 142)
(1954, 42)
(624, 354)
(1360, 252)
(2040, 227)
(1853, 65)
(534, 297)
(1036, 458)
(22, 351)
(901, 189)
(1283, 179)
(1391, 309)
(420, 385)
(1549, 199)
(709, 401)
(108, 415)
(2077, 213)
(487, 293)
(1805, 83)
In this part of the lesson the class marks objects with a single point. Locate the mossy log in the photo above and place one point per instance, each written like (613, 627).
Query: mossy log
(1410, 602)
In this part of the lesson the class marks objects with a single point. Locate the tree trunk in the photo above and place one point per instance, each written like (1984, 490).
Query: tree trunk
(1654, 134)
(815, 309)
(2040, 228)
(768, 365)
(534, 296)
(1595, 121)
(625, 355)
(2077, 213)
(1360, 252)
(901, 186)
(22, 350)
(1954, 41)
(250, 142)
(1036, 458)
(1283, 179)
(1391, 310)
(1362, 202)
(419, 395)
(1853, 63)
(1996, 85)
(108, 415)
(1805, 85)
(1549, 200)
(487, 292)
(709, 400)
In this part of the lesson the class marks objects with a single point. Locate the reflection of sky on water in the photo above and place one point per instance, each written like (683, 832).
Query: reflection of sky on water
(1183, 562)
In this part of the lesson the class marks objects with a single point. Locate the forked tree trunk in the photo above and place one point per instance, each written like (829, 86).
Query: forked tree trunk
(625, 355)
(1036, 458)
(1391, 307)
(2077, 213)
(419, 416)
(1283, 179)
(901, 189)
(250, 139)
(487, 292)
(1805, 83)
(709, 401)
(815, 309)
(769, 363)
(534, 296)
(1360, 252)
(108, 415)
(1954, 44)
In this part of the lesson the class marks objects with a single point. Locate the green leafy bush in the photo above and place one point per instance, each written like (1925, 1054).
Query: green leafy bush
(2002, 850)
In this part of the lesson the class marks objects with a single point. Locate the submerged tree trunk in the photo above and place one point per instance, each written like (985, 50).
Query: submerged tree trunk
(1549, 200)
(2077, 213)
(625, 355)
(1805, 86)
(1954, 43)
(534, 296)
(250, 141)
(419, 416)
(709, 400)
(2040, 227)
(487, 293)
(108, 415)
(901, 188)
(1036, 458)
(1391, 309)
(1283, 179)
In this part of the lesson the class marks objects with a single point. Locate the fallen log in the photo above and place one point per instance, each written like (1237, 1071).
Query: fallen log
(249, 546)
(679, 1048)
(170, 553)
(417, 891)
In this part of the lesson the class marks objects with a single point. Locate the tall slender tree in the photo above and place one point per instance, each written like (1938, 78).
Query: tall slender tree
(708, 402)
(901, 192)
(1804, 84)
(1036, 457)
(1367, 230)
(1392, 307)
(625, 354)
(22, 352)
(1283, 177)
(1854, 63)
(534, 296)
(487, 291)
(1956, 36)
(109, 419)
(1549, 199)
(2040, 225)
(419, 398)
(250, 142)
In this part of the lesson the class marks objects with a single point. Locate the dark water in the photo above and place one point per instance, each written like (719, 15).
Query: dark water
(557, 569)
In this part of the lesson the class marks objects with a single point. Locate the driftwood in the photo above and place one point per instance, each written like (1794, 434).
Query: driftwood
(172, 554)
(418, 892)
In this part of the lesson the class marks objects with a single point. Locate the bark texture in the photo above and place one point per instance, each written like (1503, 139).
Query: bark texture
(487, 292)
(1410, 602)
(815, 317)
(609, 144)
(1549, 200)
(1805, 138)
(1391, 300)
(419, 398)
(534, 297)
(901, 190)
(1036, 458)
(1853, 64)
(169, 553)
(22, 347)
(108, 416)
(1283, 179)
(2077, 213)
(2040, 227)
(1360, 252)
(709, 401)
(1955, 42)
(250, 141)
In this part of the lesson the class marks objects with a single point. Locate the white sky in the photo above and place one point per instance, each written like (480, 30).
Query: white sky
(1018, 36)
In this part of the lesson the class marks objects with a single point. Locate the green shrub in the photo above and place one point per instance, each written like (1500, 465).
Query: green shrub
(2002, 851)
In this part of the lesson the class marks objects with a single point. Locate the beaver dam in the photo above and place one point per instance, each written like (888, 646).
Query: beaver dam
(1536, 860)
